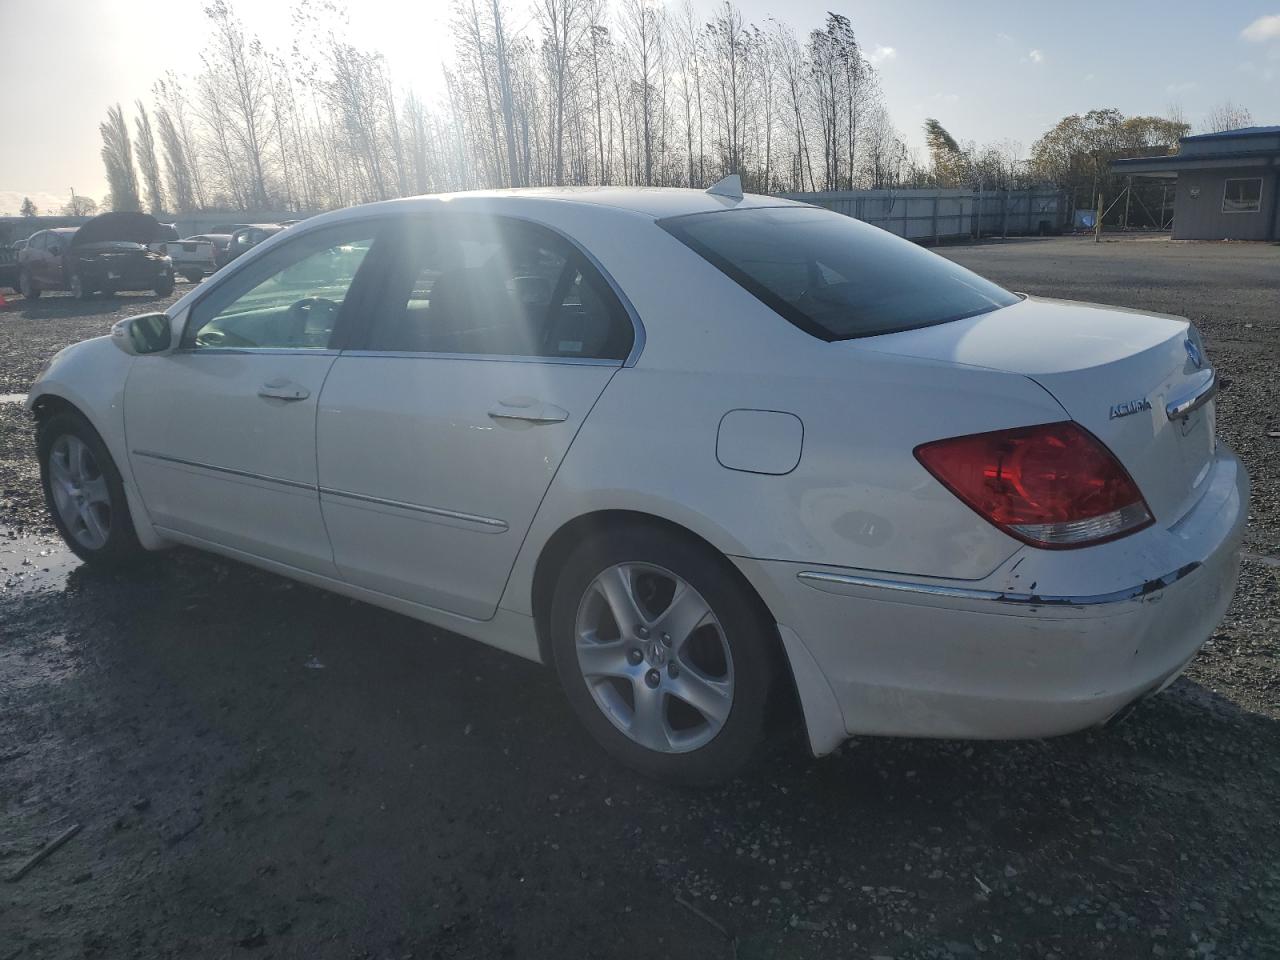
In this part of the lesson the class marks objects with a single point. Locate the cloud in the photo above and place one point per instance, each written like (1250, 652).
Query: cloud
(881, 54)
(1004, 38)
(11, 201)
(1035, 56)
(1263, 29)
(1181, 87)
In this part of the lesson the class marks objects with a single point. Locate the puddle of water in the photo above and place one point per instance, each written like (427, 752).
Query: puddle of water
(12, 397)
(29, 564)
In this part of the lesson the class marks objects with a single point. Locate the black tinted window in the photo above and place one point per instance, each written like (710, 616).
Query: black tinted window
(833, 276)
(494, 287)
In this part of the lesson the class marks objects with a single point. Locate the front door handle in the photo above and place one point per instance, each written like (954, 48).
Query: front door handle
(283, 389)
(528, 409)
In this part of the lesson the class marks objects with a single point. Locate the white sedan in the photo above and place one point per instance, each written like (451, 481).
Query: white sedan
(697, 450)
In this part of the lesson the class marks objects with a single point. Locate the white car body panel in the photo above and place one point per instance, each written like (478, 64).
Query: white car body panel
(215, 460)
(402, 518)
(901, 610)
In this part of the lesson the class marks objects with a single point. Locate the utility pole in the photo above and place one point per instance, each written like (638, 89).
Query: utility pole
(1097, 223)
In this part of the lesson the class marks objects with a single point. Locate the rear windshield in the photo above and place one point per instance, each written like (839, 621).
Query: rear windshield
(835, 277)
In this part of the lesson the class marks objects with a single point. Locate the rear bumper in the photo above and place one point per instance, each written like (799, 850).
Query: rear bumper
(1032, 651)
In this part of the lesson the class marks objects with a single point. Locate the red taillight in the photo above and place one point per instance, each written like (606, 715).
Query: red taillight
(1053, 485)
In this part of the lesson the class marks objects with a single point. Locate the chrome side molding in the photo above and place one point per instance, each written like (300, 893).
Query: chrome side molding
(837, 582)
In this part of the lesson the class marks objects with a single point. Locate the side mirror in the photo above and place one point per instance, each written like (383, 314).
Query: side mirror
(137, 336)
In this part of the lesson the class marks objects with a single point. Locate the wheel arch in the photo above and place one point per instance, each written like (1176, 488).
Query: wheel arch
(561, 543)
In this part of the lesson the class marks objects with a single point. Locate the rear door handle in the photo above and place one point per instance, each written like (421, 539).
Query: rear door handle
(528, 409)
(283, 389)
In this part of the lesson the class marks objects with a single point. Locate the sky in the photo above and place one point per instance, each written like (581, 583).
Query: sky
(987, 69)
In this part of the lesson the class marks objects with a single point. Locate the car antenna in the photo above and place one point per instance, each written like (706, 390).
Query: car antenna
(730, 186)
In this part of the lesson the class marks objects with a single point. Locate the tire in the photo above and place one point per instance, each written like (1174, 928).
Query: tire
(89, 507)
(78, 289)
(164, 287)
(194, 277)
(27, 286)
(734, 651)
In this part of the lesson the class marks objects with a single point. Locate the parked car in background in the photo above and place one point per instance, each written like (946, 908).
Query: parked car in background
(220, 241)
(193, 258)
(9, 263)
(246, 238)
(696, 450)
(107, 254)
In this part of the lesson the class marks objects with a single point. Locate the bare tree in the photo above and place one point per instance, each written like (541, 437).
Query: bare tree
(642, 25)
(148, 161)
(1226, 116)
(117, 157)
(236, 86)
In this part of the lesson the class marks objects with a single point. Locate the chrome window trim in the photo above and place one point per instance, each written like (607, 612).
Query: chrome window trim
(495, 525)
(832, 582)
(244, 474)
(506, 358)
(256, 351)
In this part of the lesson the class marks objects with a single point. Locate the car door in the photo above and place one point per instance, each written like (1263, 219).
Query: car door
(34, 256)
(221, 431)
(52, 275)
(439, 436)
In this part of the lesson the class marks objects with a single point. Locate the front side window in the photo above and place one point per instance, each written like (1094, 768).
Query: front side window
(488, 286)
(37, 242)
(288, 299)
(833, 276)
(1242, 195)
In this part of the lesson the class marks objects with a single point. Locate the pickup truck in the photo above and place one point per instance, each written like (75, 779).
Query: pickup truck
(192, 258)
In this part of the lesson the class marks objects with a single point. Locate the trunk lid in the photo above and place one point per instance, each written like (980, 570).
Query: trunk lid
(1114, 371)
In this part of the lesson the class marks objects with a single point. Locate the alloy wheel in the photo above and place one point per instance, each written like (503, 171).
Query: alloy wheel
(654, 657)
(80, 491)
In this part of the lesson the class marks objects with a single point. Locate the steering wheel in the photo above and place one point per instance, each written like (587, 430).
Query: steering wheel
(303, 311)
(221, 338)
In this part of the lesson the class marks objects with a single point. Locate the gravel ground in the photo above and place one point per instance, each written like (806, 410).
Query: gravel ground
(264, 770)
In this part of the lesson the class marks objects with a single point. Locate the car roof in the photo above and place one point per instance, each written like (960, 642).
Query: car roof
(656, 202)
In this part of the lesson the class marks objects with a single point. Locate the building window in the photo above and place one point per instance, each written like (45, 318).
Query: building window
(1242, 195)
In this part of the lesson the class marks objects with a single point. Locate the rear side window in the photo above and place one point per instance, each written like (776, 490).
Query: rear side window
(835, 277)
(489, 286)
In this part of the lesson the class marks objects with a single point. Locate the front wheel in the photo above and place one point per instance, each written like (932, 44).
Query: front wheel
(78, 288)
(27, 286)
(664, 653)
(84, 492)
(164, 287)
(194, 276)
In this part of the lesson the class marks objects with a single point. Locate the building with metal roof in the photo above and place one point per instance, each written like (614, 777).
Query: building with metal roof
(1227, 184)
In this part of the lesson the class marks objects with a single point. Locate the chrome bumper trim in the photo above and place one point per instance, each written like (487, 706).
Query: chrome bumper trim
(833, 582)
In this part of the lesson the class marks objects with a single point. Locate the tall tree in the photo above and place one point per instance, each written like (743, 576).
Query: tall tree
(148, 161)
(117, 157)
(28, 208)
(236, 84)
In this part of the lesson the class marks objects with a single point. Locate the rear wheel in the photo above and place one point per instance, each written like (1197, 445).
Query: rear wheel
(27, 286)
(194, 276)
(164, 287)
(664, 654)
(84, 492)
